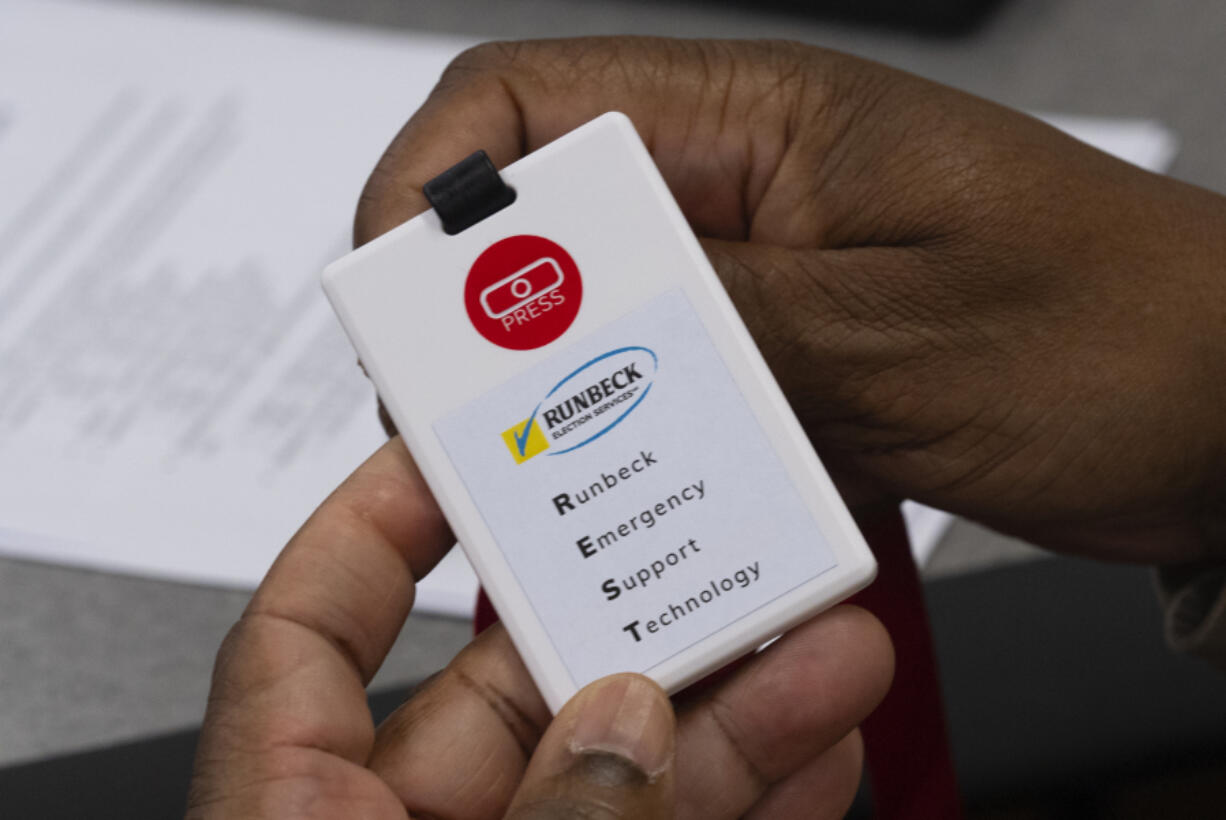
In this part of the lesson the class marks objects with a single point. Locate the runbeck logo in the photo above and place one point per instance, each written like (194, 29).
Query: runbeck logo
(585, 405)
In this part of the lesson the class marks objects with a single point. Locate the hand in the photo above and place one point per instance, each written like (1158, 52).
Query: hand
(964, 306)
(288, 733)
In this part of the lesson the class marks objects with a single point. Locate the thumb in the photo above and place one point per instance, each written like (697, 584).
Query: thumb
(828, 326)
(807, 309)
(608, 754)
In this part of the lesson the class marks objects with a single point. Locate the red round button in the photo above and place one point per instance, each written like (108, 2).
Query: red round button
(523, 292)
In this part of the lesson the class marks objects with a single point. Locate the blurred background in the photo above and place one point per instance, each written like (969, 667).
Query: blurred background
(175, 395)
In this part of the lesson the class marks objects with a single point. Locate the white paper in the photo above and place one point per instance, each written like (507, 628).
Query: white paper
(175, 396)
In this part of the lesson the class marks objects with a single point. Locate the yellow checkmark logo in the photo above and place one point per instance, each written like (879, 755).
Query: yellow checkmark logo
(525, 440)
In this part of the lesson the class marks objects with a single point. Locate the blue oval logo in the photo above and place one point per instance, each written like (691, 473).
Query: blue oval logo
(595, 397)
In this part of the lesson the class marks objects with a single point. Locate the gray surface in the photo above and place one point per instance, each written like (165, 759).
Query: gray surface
(87, 658)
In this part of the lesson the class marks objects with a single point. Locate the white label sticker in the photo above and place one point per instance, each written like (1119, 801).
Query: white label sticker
(633, 493)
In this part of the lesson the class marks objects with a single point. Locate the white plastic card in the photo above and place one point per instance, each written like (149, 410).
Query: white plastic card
(601, 432)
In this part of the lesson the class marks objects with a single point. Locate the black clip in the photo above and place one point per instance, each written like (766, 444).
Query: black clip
(468, 192)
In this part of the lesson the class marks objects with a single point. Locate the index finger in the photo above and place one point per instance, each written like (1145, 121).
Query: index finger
(292, 672)
(718, 117)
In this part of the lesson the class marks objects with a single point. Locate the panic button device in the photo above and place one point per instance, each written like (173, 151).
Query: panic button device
(605, 440)
(531, 305)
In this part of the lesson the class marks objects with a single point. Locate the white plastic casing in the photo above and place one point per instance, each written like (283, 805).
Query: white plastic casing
(597, 193)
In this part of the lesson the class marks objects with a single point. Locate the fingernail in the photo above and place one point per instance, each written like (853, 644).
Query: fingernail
(630, 717)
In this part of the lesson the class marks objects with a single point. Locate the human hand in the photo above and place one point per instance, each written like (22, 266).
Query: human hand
(288, 732)
(964, 306)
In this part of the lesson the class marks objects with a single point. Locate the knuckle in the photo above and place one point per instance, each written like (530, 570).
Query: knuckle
(519, 724)
(482, 57)
(231, 649)
(842, 91)
(490, 58)
(248, 657)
